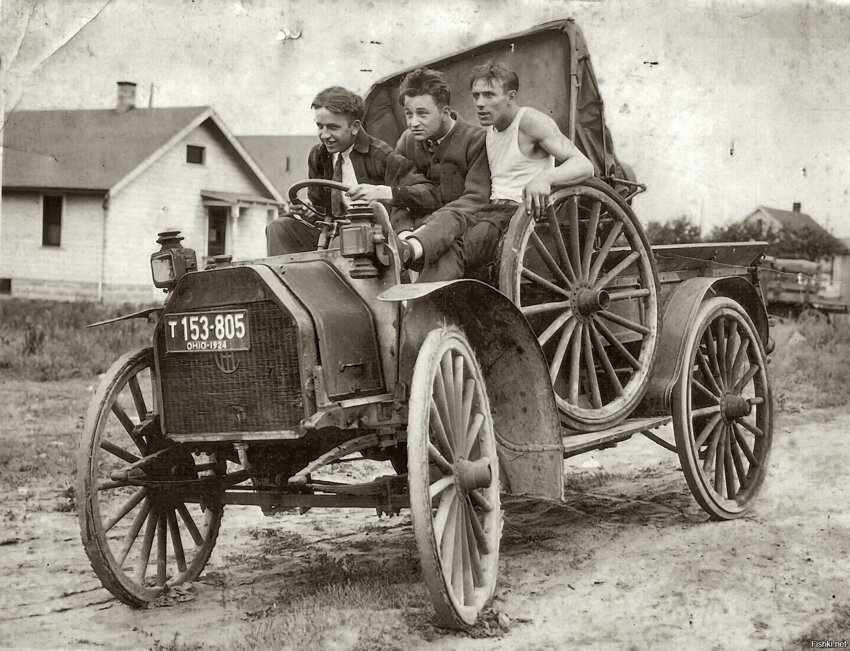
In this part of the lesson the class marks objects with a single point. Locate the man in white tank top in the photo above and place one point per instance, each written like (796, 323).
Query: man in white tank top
(527, 154)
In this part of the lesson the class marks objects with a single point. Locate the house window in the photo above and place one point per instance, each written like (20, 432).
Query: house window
(217, 231)
(5, 286)
(195, 154)
(287, 163)
(51, 220)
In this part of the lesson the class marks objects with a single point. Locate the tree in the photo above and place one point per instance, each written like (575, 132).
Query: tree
(680, 230)
(804, 243)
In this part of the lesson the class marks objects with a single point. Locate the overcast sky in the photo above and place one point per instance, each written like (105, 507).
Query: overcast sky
(746, 105)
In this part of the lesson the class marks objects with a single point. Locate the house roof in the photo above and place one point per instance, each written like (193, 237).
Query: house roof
(99, 149)
(235, 198)
(85, 149)
(270, 153)
(790, 220)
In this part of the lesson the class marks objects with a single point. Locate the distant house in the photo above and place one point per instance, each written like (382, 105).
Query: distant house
(282, 158)
(85, 193)
(776, 220)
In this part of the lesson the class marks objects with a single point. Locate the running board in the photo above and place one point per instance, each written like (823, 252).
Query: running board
(579, 443)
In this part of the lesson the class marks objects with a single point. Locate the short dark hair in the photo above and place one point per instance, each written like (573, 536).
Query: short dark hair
(424, 81)
(340, 100)
(493, 70)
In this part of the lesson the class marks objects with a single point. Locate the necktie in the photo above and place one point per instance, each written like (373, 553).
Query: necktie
(431, 146)
(336, 195)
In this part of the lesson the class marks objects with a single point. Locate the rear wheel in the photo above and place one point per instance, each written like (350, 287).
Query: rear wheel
(140, 539)
(722, 410)
(453, 475)
(584, 277)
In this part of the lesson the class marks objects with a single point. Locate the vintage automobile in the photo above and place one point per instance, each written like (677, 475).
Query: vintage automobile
(261, 373)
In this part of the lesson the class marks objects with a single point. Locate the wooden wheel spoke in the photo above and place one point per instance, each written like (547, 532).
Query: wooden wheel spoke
(128, 506)
(161, 550)
(447, 540)
(705, 391)
(590, 366)
(702, 361)
(133, 533)
(753, 428)
(728, 470)
(560, 351)
(466, 566)
(458, 560)
(628, 294)
(745, 447)
(441, 400)
(712, 450)
(539, 308)
(616, 271)
(447, 502)
(466, 405)
(440, 485)
(745, 379)
(118, 451)
(616, 343)
(138, 398)
(564, 275)
(733, 343)
(704, 411)
(589, 241)
(558, 237)
(477, 529)
(128, 424)
(176, 542)
(739, 463)
(553, 327)
(472, 545)
(453, 422)
(623, 321)
(711, 347)
(712, 424)
(740, 358)
(439, 431)
(439, 460)
(109, 484)
(480, 501)
(472, 434)
(190, 524)
(719, 466)
(147, 545)
(458, 394)
(575, 236)
(547, 284)
(575, 364)
(721, 349)
(606, 362)
(613, 234)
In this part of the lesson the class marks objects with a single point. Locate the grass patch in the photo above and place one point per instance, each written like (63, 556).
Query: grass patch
(810, 367)
(48, 340)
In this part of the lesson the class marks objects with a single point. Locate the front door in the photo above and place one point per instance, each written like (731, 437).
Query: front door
(217, 230)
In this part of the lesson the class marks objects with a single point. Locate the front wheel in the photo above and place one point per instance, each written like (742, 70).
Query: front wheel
(453, 475)
(140, 539)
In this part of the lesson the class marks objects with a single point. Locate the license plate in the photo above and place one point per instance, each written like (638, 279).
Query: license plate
(204, 332)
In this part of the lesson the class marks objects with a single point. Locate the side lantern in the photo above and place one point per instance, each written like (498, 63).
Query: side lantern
(172, 261)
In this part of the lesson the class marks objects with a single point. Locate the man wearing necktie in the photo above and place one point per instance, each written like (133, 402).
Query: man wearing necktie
(350, 155)
(451, 153)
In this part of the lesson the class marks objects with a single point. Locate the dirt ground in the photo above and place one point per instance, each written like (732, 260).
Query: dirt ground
(628, 561)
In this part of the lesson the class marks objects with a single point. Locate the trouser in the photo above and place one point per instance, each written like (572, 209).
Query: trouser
(288, 235)
(479, 245)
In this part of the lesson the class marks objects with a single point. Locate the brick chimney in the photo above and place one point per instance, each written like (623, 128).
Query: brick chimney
(126, 96)
(796, 207)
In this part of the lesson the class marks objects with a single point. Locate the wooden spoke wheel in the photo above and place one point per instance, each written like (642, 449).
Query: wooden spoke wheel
(584, 277)
(722, 410)
(453, 475)
(140, 539)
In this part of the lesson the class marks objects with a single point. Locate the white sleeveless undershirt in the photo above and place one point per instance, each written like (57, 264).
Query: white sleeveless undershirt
(510, 169)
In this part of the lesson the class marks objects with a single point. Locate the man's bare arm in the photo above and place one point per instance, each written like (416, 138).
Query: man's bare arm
(571, 165)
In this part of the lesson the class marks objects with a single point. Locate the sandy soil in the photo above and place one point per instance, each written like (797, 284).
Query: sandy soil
(628, 561)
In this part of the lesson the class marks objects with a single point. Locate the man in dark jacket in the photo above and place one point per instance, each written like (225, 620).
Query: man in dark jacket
(450, 153)
(351, 156)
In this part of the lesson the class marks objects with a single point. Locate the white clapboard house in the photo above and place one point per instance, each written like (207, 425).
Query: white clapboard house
(85, 193)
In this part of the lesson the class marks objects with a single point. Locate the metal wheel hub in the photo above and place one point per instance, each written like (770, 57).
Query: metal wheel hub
(733, 407)
(471, 475)
(587, 301)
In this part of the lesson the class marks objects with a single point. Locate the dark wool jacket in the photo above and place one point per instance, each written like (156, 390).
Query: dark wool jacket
(375, 162)
(459, 167)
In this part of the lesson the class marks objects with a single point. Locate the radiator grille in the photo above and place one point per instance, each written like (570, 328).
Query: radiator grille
(262, 394)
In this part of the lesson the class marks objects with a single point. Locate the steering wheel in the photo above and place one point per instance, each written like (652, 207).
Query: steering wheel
(295, 188)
